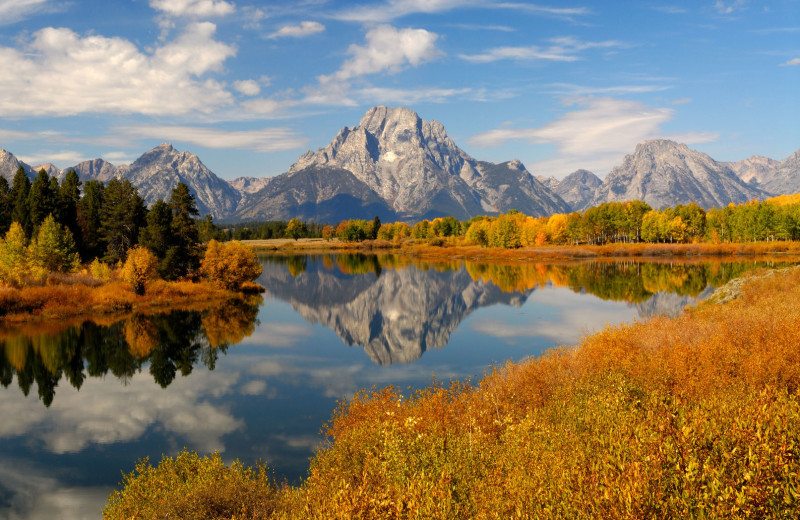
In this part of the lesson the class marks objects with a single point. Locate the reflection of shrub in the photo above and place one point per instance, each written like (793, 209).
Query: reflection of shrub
(139, 268)
(191, 487)
(230, 264)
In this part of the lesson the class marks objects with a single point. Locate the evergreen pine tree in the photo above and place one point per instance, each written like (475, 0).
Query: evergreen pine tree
(20, 189)
(183, 255)
(122, 215)
(68, 197)
(5, 205)
(41, 199)
(90, 242)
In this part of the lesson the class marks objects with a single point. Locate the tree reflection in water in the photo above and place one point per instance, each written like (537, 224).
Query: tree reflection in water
(168, 343)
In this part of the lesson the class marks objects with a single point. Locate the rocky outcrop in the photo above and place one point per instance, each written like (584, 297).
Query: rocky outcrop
(578, 189)
(664, 173)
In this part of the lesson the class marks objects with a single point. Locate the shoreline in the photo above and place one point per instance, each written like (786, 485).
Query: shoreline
(109, 301)
(457, 250)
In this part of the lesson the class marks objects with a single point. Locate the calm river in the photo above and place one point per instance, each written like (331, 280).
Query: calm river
(82, 403)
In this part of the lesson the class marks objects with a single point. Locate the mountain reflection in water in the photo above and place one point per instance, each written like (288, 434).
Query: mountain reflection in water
(166, 343)
(397, 308)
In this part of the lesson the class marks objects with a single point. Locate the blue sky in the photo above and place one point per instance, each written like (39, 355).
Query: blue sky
(249, 86)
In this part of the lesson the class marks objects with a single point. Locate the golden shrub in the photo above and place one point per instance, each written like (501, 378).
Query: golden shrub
(229, 264)
(139, 268)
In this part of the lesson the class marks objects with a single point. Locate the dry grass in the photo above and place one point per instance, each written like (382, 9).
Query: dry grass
(62, 301)
(693, 417)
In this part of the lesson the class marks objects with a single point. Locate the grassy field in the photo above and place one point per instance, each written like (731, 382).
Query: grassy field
(692, 417)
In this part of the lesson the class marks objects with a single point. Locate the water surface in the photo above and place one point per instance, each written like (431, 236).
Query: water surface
(256, 380)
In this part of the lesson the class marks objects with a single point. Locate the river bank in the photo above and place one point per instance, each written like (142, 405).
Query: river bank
(65, 301)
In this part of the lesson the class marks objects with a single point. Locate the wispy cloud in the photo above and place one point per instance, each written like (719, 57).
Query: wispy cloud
(477, 27)
(193, 8)
(791, 63)
(560, 49)
(95, 74)
(263, 140)
(12, 11)
(393, 9)
(298, 31)
(594, 136)
(569, 89)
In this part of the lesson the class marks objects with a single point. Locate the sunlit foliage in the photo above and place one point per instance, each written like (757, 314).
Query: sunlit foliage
(229, 264)
(139, 268)
(193, 487)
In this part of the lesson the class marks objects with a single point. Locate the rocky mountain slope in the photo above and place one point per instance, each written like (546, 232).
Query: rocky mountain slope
(414, 168)
(9, 165)
(664, 173)
(578, 188)
(158, 171)
(754, 169)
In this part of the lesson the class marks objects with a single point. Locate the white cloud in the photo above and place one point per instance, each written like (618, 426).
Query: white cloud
(298, 31)
(193, 8)
(791, 63)
(61, 73)
(263, 140)
(595, 136)
(388, 49)
(561, 49)
(106, 412)
(398, 8)
(247, 87)
(280, 335)
(35, 494)
(14, 10)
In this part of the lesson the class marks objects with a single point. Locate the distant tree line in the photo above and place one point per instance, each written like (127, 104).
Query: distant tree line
(265, 230)
(612, 222)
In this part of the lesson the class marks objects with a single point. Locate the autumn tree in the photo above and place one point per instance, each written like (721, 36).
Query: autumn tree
(296, 229)
(53, 249)
(229, 264)
(139, 268)
(14, 255)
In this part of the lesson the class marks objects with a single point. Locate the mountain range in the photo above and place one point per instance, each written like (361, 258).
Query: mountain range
(398, 166)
